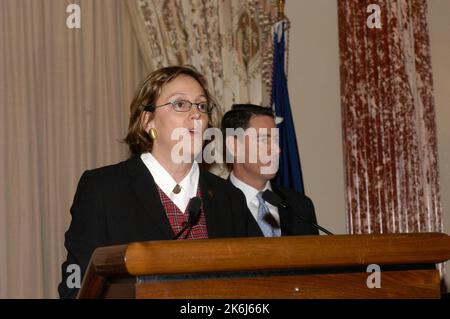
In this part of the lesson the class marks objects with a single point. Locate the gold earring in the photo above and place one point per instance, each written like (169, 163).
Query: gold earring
(153, 133)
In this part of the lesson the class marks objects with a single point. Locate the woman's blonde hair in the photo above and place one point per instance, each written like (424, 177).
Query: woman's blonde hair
(137, 138)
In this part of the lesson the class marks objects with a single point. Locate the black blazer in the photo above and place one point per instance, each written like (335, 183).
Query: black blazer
(119, 204)
(290, 223)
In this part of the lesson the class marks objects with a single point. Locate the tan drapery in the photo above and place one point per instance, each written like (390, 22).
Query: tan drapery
(388, 114)
(64, 96)
(230, 41)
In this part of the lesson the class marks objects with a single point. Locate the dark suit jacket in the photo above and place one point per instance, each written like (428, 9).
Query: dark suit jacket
(290, 223)
(119, 204)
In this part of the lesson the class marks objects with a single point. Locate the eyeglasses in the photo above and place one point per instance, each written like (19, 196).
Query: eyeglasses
(183, 106)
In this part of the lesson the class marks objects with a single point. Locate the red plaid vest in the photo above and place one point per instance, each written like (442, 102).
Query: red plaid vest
(178, 220)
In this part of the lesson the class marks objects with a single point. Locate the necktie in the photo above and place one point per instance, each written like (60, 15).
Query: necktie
(267, 229)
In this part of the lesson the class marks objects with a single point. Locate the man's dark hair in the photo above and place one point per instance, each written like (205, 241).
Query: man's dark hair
(240, 114)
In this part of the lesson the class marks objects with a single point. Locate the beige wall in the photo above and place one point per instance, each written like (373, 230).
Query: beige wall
(315, 100)
(439, 28)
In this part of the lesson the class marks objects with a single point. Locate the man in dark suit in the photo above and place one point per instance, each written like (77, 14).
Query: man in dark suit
(251, 173)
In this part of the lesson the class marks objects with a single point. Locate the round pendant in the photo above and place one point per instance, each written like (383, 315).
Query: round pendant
(177, 189)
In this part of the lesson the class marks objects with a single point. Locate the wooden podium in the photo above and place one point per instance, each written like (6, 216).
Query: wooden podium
(284, 267)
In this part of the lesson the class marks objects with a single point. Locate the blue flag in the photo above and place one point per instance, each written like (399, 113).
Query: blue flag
(290, 171)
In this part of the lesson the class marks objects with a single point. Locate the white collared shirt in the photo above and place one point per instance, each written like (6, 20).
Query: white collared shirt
(167, 183)
(252, 201)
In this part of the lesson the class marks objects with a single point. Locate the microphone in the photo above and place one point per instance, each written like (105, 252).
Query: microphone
(193, 208)
(276, 200)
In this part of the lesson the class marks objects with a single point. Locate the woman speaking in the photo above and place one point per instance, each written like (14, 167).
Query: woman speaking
(150, 196)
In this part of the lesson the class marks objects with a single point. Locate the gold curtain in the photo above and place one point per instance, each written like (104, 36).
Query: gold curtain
(64, 96)
(230, 41)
